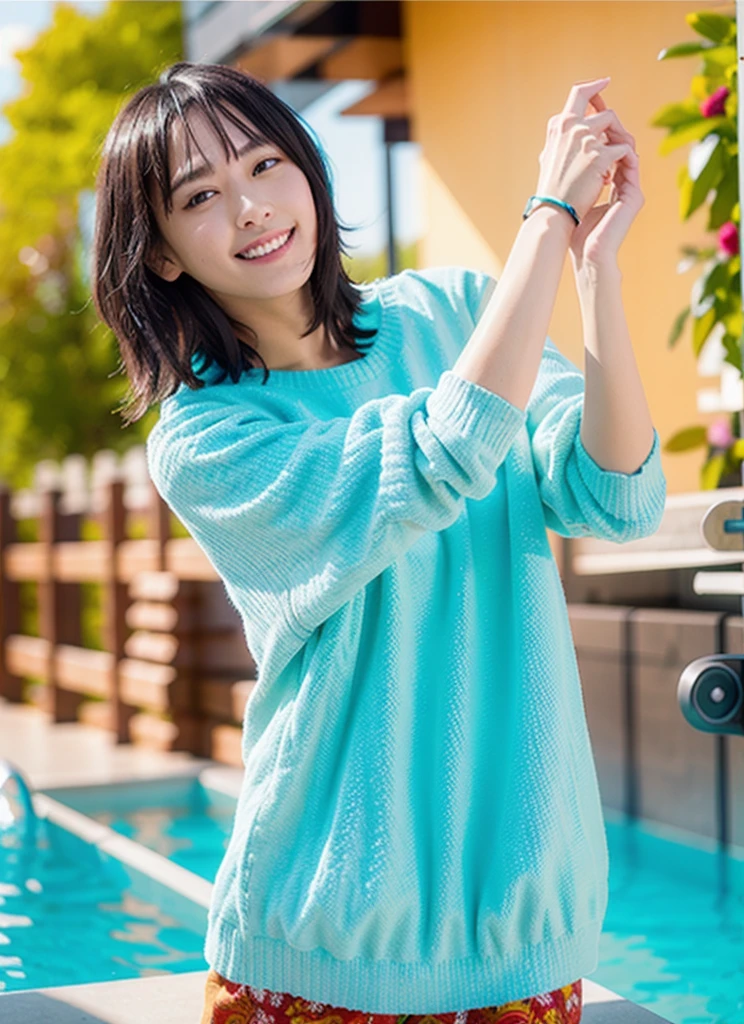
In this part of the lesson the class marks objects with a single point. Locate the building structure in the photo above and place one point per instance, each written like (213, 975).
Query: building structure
(474, 83)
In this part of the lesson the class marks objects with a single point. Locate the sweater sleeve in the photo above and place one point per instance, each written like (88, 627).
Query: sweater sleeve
(300, 515)
(579, 497)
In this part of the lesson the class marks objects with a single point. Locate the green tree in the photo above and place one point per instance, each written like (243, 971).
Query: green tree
(60, 375)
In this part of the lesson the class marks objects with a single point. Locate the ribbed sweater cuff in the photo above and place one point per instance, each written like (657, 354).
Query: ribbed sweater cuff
(634, 497)
(474, 411)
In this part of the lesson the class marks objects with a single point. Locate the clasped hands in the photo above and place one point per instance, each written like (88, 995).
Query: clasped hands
(596, 240)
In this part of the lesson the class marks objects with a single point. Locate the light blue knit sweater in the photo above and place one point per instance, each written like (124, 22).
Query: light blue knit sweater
(419, 828)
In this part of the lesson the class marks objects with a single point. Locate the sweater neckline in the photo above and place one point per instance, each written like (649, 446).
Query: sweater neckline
(371, 313)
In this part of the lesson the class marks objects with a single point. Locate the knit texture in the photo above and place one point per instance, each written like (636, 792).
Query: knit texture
(419, 828)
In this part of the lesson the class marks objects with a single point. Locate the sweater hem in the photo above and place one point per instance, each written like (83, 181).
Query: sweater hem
(387, 986)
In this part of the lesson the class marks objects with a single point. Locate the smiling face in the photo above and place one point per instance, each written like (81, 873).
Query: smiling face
(234, 205)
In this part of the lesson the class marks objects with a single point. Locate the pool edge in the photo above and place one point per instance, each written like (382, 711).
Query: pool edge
(136, 856)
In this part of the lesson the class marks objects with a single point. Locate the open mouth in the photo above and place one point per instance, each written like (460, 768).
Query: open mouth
(272, 254)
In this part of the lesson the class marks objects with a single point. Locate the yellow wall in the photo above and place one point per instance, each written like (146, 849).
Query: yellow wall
(485, 77)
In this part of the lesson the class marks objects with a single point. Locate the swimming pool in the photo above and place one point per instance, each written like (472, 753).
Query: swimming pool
(71, 913)
(673, 938)
(179, 818)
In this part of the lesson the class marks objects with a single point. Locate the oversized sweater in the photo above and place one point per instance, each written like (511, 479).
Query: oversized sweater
(419, 828)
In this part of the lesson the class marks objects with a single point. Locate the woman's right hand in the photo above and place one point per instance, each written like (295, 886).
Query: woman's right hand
(575, 163)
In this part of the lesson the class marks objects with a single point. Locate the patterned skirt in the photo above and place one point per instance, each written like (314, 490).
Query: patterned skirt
(227, 1002)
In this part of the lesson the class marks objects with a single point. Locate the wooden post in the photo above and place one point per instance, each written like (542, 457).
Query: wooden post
(159, 526)
(54, 620)
(68, 594)
(116, 600)
(10, 600)
(69, 526)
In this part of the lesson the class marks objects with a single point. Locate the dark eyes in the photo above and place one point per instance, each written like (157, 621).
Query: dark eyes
(192, 202)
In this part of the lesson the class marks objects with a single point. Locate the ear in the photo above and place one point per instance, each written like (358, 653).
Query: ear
(164, 263)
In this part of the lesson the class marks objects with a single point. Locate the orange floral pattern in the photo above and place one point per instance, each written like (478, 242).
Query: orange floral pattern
(228, 1002)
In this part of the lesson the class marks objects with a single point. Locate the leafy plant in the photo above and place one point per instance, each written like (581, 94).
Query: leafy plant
(707, 119)
(59, 385)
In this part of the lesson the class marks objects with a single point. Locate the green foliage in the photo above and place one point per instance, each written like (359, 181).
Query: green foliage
(60, 374)
(58, 363)
(177, 528)
(92, 616)
(684, 440)
(28, 599)
(678, 327)
(712, 170)
(717, 27)
(363, 269)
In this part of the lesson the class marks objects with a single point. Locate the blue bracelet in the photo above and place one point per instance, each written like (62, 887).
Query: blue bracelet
(534, 200)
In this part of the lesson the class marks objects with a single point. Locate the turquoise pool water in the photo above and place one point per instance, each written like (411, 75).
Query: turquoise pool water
(673, 938)
(69, 914)
(179, 818)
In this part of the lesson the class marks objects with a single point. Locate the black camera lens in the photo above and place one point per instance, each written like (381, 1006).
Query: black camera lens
(717, 694)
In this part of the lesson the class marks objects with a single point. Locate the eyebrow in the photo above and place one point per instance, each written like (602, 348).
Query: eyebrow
(201, 170)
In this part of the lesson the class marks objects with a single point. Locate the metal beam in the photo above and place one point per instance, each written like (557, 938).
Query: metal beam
(229, 27)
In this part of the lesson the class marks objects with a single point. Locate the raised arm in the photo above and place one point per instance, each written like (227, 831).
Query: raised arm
(300, 516)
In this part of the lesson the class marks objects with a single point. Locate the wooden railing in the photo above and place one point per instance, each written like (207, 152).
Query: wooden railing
(173, 670)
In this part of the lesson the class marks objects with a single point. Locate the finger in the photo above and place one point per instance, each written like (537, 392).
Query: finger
(611, 154)
(627, 171)
(626, 164)
(625, 176)
(597, 102)
(608, 121)
(582, 93)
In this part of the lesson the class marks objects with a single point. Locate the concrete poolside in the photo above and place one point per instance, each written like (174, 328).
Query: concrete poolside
(178, 999)
(74, 754)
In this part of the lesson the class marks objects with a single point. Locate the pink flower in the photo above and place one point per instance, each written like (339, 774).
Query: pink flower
(720, 434)
(728, 238)
(714, 105)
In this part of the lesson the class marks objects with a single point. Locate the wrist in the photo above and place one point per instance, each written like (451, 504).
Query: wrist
(558, 220)
(591, 273)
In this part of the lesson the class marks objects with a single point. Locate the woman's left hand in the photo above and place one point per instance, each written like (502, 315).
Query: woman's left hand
(596, 240)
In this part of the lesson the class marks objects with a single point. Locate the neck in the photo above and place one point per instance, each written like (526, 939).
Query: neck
(278, 324)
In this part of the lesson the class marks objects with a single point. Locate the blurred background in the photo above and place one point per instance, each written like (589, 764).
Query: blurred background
(65, 68)
(433, 114)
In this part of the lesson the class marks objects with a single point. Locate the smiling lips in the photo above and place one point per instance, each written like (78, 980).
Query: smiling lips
(276, 241)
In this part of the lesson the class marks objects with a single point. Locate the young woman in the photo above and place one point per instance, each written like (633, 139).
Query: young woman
(370, 470)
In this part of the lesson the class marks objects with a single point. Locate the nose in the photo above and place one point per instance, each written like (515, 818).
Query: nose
(252, 209)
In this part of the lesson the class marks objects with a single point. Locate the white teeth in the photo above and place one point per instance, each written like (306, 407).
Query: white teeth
(262, 250)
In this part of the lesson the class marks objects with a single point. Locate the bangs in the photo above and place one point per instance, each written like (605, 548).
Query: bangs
(171, 110)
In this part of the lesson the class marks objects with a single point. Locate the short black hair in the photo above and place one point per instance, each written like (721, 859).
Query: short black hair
(159, 325)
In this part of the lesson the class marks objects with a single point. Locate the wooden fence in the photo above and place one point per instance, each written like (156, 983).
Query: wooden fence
(170, 668)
